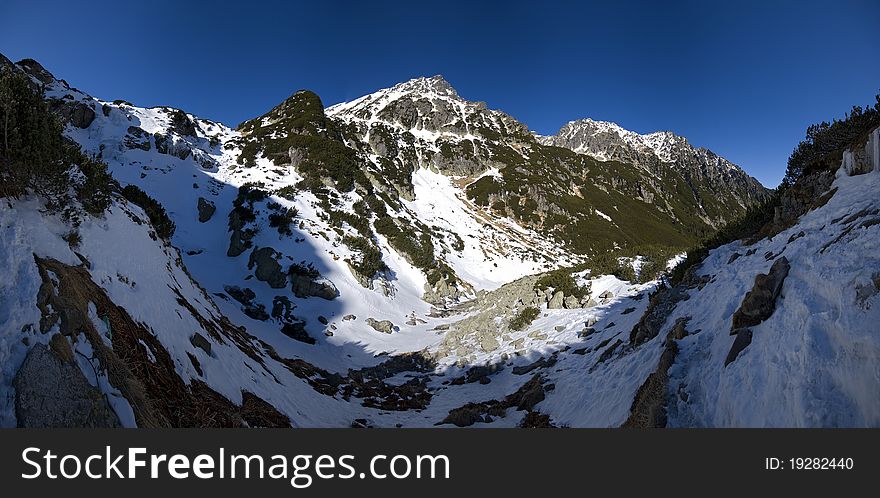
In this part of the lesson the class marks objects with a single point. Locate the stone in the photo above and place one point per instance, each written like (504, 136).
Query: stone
(571, 302)
(760, 302)
(206, 209)
(268, 269)
(349, 317)
(282, 309)
(606, 295)
(199, 341)
(587, 332)
(78, 114)
(384, 326)
(239, 242)
(137, 138)
(304, 286)
(743, 339)
(51, 393)
(734, 257)
(557, 301)
(297, 331)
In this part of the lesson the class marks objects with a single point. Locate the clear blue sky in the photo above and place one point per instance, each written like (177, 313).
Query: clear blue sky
(741, 78)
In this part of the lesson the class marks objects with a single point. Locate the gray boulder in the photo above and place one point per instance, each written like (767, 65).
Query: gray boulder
(304, 286)
(206, 209)
(760, 302)
(557, 301)
(384, 326)
(78, 114)
(199, 341)
(571, 302)
(53, 392)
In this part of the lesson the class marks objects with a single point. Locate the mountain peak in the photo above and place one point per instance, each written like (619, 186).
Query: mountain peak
(432, 84)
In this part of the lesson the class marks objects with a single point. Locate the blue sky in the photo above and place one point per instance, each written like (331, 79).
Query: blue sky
(741, 78)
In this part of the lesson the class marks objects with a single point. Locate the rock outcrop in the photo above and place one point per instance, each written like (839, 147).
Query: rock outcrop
(384, 326)
(206, 209)
(51, 391)
(305, 286)
(268, 268)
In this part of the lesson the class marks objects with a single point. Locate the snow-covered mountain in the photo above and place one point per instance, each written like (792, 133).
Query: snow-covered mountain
(655, 152)
(353, 267)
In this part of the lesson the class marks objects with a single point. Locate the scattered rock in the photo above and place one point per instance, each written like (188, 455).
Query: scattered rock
(349, 317)
(796, 236)
(627, 311)
(304, 286)
(536, 420)
(539, 363)
(323, 319)
(282, 309)
(587, 332)
(245, 297)
(297, 331)
(571, 302)
(384, 326)
(734, 257)
(557, 301)
(608, 352)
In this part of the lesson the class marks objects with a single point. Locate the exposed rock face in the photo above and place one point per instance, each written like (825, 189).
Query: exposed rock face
(650, 403)
(858, 161)
(53, 392)
(441, 292)
(661, 303)
(571, 302)
(609, 142)
(297, 331)
(171, 145)
(78, 114)
(305, 286)
(810, 192)
(384, 326)
(482, 330)
(760, 302)
(240, 239)
(181, 123)
(268, 268)
(524, 399)
(206, 209)
(757, 306)
(137, 138)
